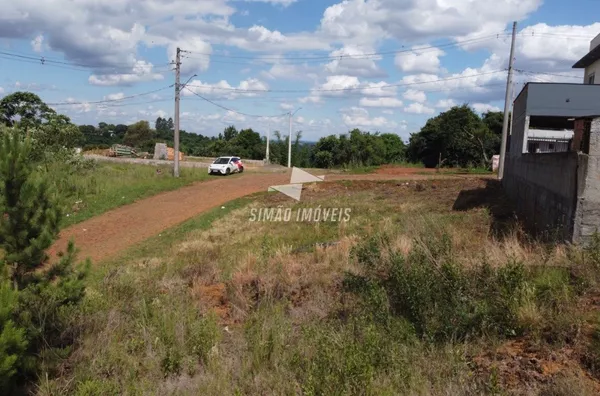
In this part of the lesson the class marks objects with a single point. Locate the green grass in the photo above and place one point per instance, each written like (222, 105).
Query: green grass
(87, 193)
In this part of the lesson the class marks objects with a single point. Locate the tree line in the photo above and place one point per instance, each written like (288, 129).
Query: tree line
(458, 137)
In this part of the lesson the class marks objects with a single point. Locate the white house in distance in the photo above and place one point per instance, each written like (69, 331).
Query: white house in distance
(591, 63)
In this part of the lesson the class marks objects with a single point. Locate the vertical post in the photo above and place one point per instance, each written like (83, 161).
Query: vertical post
(268, 139)
(176, 132)
(290, 143)
(507, 104)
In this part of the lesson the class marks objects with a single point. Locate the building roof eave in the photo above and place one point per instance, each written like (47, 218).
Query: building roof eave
(588, 59)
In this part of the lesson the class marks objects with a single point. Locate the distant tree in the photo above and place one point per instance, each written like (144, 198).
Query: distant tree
(248, 144)
(120, 131)
(395, 149)
(230, 133)
(161, 124)
(24, 108)
(138, 134)
(170, 124)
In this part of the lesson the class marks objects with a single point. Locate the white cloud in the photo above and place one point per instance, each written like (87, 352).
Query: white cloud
(380, 102)
(199, 54)
(115, 96)
(80, 107)
(286, 106)
(415, 96)
(372, 21)
(351, 61)
(420, 60)
(247, 88)
(357, 117)
(152, 114)
(418, 108)
(311, 99)
(37, 43)
(1, 90)
(142, 71)
(484, 107)
(283, 71)
(445, 104)
(284, 3)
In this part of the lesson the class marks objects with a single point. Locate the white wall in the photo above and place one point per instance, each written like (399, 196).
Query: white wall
(593, 68)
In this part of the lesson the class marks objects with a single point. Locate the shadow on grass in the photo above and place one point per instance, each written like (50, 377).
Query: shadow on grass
(493, 198)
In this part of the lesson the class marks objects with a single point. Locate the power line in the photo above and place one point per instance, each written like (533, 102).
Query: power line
(533, 34)
(343, 56)
(349, 89)
(547, 74)
(41, 60)
(231, 110)
(110, 100)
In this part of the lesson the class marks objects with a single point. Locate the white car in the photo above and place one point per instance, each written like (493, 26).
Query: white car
(226, 166)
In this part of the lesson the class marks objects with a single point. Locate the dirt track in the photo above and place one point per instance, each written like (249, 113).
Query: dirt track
(105, 236)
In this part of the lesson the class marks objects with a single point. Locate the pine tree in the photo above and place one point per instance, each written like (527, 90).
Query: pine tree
(33, 293)
(30, 216)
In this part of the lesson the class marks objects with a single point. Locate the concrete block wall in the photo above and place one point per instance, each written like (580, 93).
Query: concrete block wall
(587, 220)
(543, 187)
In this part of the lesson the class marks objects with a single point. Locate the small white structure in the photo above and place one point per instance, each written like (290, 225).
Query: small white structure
(160, 151)
(495, 163)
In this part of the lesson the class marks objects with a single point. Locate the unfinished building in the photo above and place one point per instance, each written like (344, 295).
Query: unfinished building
(556, 191)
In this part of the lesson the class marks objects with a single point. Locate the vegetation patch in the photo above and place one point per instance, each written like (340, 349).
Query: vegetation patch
(413, 295)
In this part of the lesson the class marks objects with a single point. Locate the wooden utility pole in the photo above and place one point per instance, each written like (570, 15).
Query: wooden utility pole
(177, 93)
(507, 104)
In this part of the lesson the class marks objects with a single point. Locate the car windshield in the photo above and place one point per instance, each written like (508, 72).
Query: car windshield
(221, 161)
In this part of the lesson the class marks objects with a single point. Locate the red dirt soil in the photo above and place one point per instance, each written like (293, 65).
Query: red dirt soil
(400, 171)
(107, 235)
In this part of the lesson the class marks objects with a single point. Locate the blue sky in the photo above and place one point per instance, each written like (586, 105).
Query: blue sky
(378, 65)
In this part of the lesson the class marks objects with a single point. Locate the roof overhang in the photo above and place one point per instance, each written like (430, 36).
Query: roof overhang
(590, 58)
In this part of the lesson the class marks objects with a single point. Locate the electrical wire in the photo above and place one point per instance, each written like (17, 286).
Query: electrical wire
(547, 74)
(343, 56)
(231, 110)
(41, 60)
(110, 100)
(350, 89)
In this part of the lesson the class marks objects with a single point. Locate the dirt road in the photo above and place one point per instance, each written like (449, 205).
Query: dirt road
(105, 236)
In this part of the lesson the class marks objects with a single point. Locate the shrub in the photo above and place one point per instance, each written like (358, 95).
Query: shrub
(441, 298)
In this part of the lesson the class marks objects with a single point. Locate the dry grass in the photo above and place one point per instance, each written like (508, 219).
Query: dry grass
(260, 308)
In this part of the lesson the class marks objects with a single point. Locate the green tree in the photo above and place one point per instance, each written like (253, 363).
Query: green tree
(230, 133)
(455, 135)
(31, 216)
(138, 134)
(13, 342)
(32, 293)
(24, 108)
(395, 149)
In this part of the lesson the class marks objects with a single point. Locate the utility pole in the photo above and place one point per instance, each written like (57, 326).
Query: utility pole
(290, 138)
(177, 93)
(290, 143)
(268, 139)
(507, 104)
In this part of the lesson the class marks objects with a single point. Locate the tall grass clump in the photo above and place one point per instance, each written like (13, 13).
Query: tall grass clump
(446, 300)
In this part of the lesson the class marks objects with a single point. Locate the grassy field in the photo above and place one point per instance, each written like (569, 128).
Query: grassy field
(95, 189)
(429, 289)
